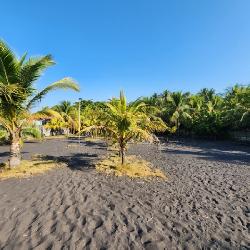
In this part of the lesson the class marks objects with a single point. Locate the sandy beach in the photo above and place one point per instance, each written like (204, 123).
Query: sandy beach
(204, 203)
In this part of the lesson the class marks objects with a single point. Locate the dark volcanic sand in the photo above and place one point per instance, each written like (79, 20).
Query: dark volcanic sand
(204, 204)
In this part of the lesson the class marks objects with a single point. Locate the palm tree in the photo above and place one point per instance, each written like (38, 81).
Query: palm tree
(207, 94)
(63, 107)
(237, 101)
(123, 123)
(195, 103)
(18, 94)
(178, 104)
(69, 115)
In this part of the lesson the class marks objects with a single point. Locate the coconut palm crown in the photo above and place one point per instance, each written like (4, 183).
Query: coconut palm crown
(179, 107)
(18, 94)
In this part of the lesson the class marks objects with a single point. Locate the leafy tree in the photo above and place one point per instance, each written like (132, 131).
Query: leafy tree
(122, 123)
(18, 94)
(68, 117)
(207, 94)
(209, 121)
(237, 106)
(64, 107)
(92, 116)
(178, 105)
(205, 113)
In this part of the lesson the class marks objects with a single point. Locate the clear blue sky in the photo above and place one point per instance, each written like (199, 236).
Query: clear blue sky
(140, 46)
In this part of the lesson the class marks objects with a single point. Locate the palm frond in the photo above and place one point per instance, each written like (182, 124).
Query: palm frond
(113, 108)
(32, 69)
(8, 64)
(47, 113)
(65, 83)
(123, 102)
(10, 93)
(136, 107)
(22, 59)
(5, 123)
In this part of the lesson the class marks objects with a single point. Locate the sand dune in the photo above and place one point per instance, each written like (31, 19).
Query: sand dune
(203, 204)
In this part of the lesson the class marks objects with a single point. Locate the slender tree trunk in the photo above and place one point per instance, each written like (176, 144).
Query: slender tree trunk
(122, 150)
(123, 155)
(15, 150)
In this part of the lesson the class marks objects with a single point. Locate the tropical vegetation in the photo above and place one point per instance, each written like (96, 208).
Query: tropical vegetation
(122, 123)
(18, 94)
(203, 114)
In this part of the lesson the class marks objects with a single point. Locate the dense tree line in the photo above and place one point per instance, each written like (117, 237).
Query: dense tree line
(206, 113)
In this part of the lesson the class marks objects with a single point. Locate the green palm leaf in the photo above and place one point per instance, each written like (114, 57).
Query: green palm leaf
(32, 69)
(65, 83)
(8, 65)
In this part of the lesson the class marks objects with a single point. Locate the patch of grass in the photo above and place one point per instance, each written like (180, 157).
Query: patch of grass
(28, 168)
(133, 168)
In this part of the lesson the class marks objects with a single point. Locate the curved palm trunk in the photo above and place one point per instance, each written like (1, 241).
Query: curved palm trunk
(15, 150)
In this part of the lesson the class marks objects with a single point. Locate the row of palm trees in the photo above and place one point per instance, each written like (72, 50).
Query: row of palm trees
(205, 113)
(116, 120)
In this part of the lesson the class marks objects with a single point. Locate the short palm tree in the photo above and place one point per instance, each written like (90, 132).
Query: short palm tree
(18, 94)
(122, 123)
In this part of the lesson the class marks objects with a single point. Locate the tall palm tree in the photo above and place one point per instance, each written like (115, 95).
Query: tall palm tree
(18, 94)
(123, 123)
(178, 104)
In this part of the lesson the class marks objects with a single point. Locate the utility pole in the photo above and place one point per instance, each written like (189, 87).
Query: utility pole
(79, 121)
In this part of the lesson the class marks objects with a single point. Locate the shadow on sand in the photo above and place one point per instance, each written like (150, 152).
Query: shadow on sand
(77, 156)
(77, 161)
(4, 154)
(223, 151)
(83, 161)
